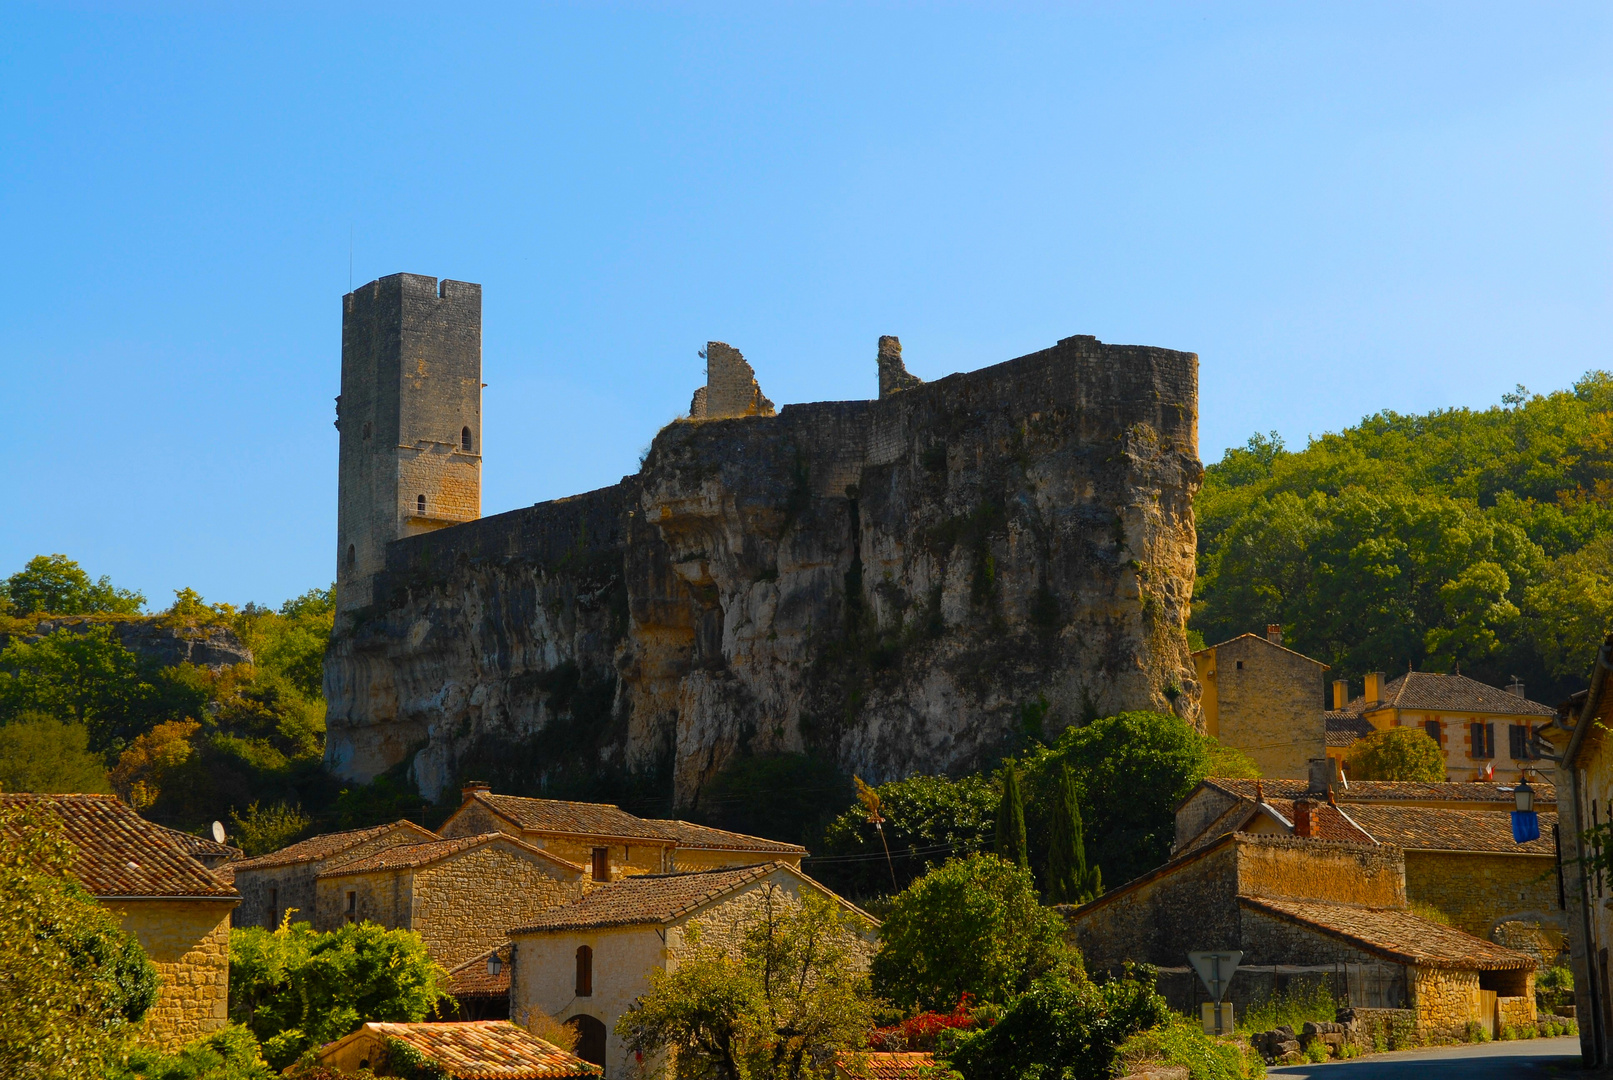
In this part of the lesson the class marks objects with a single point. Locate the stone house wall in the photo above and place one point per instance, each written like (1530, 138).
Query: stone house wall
(189, 943)
(1267, 939)
(1445, 1000)
(1192, 907)
(381, 896)
(625, 859)
(1516, 1012)
(465, 905)
(1481, 890)
(1266, 701)
(294, 883)
(1313, 870)
(689, 859)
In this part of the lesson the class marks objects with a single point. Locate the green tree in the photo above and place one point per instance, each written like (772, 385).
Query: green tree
(42, 754)
(56, 585)
(1066, 1028)
(231, 1053)
(1011, 844)
(1397, 753)
(974, 926)
(295, 988)
(783, 1008)
(1070, 879)
(71, 981)
(928, 819)
(1569, 608)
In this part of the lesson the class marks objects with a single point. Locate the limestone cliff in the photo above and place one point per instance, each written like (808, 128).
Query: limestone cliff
(900, 584)
(154, 638)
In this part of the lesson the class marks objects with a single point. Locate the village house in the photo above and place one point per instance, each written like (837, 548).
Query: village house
(281, 881)
(459, 895)
(1265, 700)
(1333, 908)
(480, 986)
(477, 1050)
(607, 839)
(1464, 862)
(1486, 733)
(175, 908)
(585, 963)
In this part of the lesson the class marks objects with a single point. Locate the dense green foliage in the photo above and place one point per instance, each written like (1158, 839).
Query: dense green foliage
(1479, 538)
(41, 753)
(1070, 878)
(972, 926)
(231, 1053)
(71, 982)
(1060, 1029)
(295, 988)
(1399, 753)
(780, 1010)
(56, 585)
(1180, 1042)
(928, 819)
(1010, 842)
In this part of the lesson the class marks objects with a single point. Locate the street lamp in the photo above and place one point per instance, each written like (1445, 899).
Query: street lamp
(494, 964)
(1525, 797)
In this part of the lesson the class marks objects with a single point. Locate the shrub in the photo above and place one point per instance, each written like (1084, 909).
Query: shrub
(1180, 1042)
(1476, 1032)
(1303, 1000)
(231, 1053)
(1399, 753)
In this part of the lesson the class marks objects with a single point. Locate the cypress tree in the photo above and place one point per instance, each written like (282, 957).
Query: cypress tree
(1011, 844)
(1069, 879)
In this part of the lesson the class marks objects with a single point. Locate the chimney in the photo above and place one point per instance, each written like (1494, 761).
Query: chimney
(1341, 694)
(1304, 823)
(1516, 689)
(468, 792)
(1374, 692)
(1320, 773)
(1274, 633)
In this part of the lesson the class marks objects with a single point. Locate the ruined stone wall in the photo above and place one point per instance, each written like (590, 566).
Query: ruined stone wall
(886, 583)
(188, 941)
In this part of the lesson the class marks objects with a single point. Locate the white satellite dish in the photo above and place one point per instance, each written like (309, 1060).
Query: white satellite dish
(218, 831)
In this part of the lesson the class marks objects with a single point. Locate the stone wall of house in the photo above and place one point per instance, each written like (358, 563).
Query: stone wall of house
(1481, 890)
(466, 904)
(379, 896)
(1516, 1012)
(1268, 939)
(1445, 1001)
(724, 925)
(189, 943)
(1199, 812)
(1321, 870)
(293, 885)
(1266, 701)
(687, 859)
(1157, 922)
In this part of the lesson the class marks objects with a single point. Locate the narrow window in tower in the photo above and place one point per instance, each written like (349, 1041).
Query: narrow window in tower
(420, 504)
(366, 429)
(464, 439)
(351, 556)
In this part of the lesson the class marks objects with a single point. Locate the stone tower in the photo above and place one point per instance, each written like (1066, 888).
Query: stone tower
(410, 417)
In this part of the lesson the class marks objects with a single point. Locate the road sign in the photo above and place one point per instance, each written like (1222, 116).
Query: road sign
(1215, 969)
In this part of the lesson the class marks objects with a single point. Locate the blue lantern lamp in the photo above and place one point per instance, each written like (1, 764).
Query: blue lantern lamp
(1525, 822)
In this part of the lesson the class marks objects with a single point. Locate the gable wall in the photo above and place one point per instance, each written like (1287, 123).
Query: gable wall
(1271, 708)
(1193, 907)
(466, 904)
(189, 943)
(1308, 870)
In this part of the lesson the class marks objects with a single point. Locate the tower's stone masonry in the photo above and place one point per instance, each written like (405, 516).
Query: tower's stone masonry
(410, 417)
(893, 374)
(731, 388)
(902, 585)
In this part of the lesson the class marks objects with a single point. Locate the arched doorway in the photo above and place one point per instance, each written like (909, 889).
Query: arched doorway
(590, 1038)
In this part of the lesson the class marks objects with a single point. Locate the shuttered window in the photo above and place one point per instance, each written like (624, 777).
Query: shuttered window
(1483, 739)
(585, 971)
(1434, 729)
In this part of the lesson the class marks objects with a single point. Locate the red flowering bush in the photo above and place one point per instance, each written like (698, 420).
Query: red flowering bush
(921, 1032)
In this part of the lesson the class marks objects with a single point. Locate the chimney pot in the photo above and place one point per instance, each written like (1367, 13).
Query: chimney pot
(1304, 825)
(1274, 633)
(1516, 689)
(1374, 688)
(1341, 694)
(472, 787)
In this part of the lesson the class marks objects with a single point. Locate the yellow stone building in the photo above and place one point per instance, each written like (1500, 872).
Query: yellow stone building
(585, 963)
(607, 839)
(1486, 733)
(459, 895)
(281, 881)
(175, 907)
(1265, 700)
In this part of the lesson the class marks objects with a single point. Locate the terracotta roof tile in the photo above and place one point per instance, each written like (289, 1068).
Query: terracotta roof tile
(1432, 692)
(1327, 822)
(327, 845)
(1343, 728)
(201, 845)
(647, 898)
(1386, 791)
(1394, 933)
(883, 1065)
(1429, 828)
(120, 854)
(471, 979)
(575, 818)
(689, 835)
(410, 856)
(486, 1050)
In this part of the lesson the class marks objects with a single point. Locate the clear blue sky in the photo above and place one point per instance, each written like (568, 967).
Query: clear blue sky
(1341, 208)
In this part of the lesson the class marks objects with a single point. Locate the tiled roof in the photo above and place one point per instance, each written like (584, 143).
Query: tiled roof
(1394, 933)
(647, 898)
(883, 1065)
(1431, 828)
(1328, 822)
(201, 845)
(690, 835)
(1343, 728)
(326, 845)
(410, 856)
(575, 818)
(120, 854)
(1264, 641)
(1448, 693)
(1385, 791)
(471, 979)
(486, 1050)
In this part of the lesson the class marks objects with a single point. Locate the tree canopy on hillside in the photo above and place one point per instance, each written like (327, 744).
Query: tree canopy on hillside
(1461, 538)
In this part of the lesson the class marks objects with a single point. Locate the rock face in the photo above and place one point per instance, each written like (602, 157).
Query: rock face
(151, 638)
(901, 585)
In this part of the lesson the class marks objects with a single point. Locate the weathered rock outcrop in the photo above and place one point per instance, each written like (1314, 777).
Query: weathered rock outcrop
(154, 638)
(902, 585)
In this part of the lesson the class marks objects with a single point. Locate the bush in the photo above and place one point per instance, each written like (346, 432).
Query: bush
(1399, 753)
(974, 926)
(1476, 1032)
(43, 754)
(1178, 1041)
(1303, 1000)
(228, 1054)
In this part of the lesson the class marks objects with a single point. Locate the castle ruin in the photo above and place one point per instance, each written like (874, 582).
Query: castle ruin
(899, 585)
